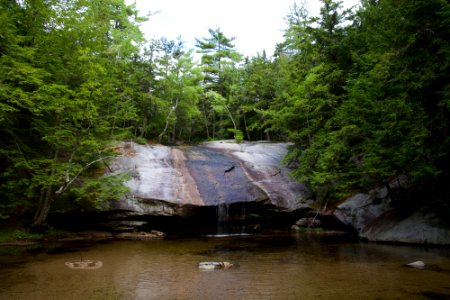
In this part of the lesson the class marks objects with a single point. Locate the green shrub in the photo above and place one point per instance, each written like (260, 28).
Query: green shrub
(238, 135)
(140, 140)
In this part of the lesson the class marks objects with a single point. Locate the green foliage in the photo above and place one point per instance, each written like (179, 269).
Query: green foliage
(102, 190)
(238, 135)
(361, 117)
(220, 81)
(363, 95)
(61, 95)
(25, 235)
(140, 140)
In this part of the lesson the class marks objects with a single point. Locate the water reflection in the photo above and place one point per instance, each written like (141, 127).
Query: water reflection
(267, 267)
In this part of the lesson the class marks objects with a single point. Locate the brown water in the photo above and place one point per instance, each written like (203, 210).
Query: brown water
(299, 266)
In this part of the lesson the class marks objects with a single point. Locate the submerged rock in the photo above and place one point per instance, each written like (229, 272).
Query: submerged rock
(85, 265)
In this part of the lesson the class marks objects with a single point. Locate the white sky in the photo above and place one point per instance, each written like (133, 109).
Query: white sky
(257, 25)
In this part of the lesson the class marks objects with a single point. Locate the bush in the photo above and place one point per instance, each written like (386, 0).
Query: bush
(140, 140)
(238, 135)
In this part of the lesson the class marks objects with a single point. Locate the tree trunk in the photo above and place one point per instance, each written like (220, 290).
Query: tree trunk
(113, 127)
(190, 132)
(45, 202)
(246, 129)
(214, 125)
(391, 193)
(206, 119)
(144, 125)
(172, 110)
(43, 209)
(174, 132)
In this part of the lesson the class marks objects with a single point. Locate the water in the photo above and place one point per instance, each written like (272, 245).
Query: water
(299, 266)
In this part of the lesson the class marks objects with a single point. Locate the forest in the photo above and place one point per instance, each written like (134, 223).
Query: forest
(363, 95)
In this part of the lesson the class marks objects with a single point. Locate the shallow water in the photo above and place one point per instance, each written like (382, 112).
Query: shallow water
(299, 266)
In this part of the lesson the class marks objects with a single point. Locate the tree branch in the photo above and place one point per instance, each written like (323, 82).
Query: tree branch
(66, 185)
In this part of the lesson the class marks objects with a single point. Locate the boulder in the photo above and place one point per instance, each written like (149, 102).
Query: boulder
(362, 209)
(421, 227)
(374, 219)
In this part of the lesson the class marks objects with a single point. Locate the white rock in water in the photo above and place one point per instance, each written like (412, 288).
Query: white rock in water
(213, 265)
(417, 264)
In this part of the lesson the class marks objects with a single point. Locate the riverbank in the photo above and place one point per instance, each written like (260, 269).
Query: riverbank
(22, 237)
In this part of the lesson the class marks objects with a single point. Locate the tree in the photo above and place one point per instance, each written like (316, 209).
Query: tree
(61, 128)
(256, 94)
(178, 88)
(383, 111)
(218, 65)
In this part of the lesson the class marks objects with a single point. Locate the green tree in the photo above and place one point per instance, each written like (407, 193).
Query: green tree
(385, 109)
(61, 124)
(256, 94)
(218, 62)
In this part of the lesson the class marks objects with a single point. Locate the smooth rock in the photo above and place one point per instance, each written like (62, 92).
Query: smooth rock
(421, 227)
(417, 264)
(374, 219)
(165, 179)
(213, 265)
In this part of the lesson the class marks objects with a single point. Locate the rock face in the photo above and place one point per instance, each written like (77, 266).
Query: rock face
(168, 181)
(361, 210)
(261, 170)
(373, 218)
(421, 227)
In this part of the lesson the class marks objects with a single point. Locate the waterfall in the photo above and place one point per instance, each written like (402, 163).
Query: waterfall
(231, 219)
(222, 218)
(242, 218)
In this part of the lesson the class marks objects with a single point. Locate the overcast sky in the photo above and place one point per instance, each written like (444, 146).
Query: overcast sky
(256, 24)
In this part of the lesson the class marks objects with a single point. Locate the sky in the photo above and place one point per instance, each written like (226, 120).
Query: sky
(256, 25)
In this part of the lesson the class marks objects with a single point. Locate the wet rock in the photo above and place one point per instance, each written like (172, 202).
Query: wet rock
(212, 265)
(309, 222)
(417, 264)
(166, 179)
(261, 164)
(141, 235)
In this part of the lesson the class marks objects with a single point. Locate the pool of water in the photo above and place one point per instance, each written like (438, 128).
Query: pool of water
(267, 266)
